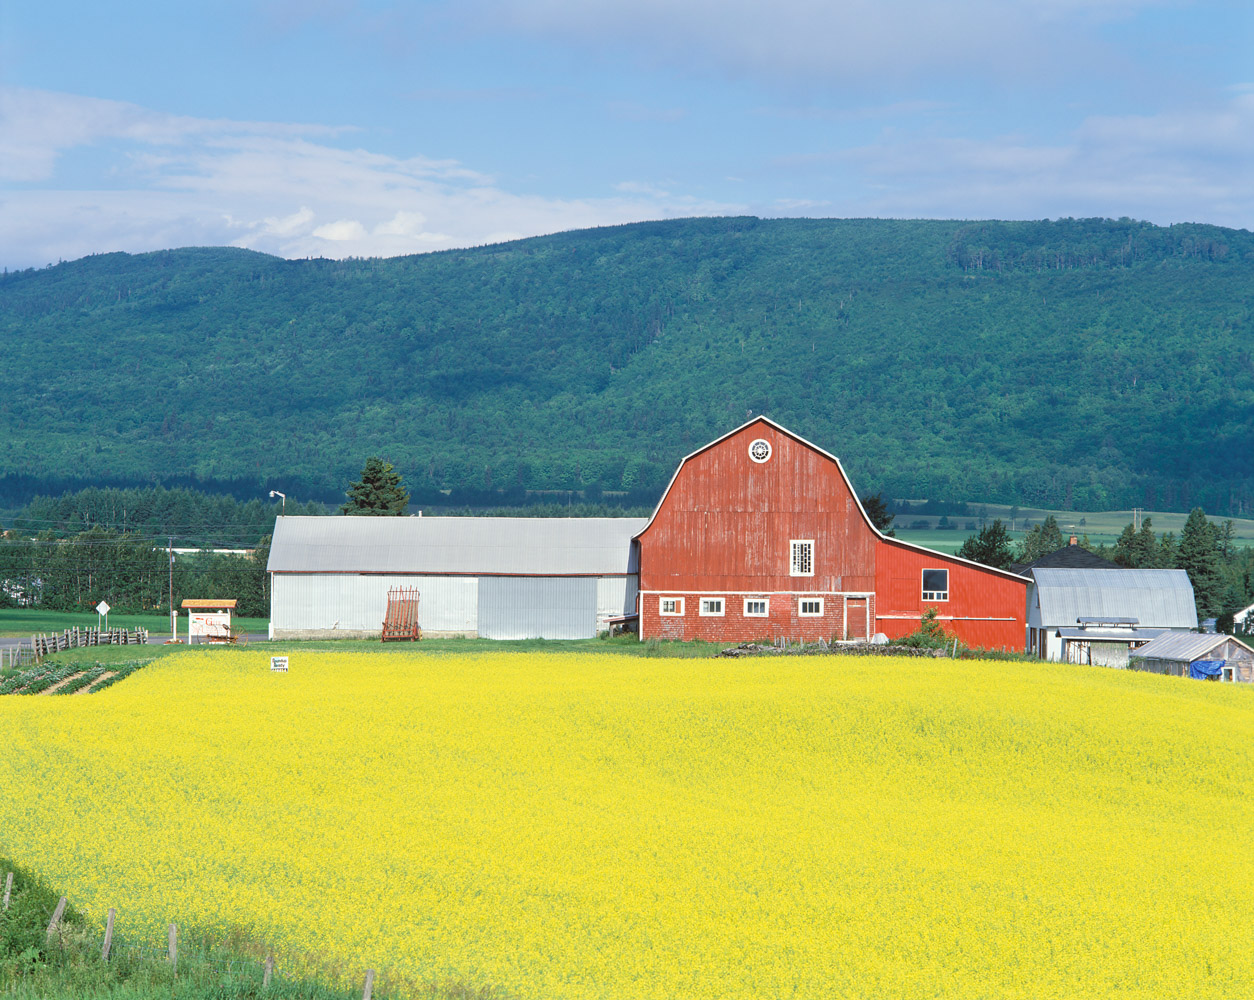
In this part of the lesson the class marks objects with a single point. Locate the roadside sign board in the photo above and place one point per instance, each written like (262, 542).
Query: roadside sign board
(102, 608)
(278, 664)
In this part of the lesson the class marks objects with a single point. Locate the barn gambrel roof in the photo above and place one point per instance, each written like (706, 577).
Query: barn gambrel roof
(849, 485)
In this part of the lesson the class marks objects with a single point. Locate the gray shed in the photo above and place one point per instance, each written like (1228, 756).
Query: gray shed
(1110, 600)
(1175, 652)
(496, 577)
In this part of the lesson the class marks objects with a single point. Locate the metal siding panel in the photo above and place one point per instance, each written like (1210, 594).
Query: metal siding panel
(304, 601)
(537, 607)
(616, 595)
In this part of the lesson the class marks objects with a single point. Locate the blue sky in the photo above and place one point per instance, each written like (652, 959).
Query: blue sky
(361, 127)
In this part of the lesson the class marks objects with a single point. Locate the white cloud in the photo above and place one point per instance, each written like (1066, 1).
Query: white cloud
(341, 230)
(37, 126)
(178, 181)
(1171, 167)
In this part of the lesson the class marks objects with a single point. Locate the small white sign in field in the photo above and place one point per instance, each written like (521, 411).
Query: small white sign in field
(102, 608)
(278, 664)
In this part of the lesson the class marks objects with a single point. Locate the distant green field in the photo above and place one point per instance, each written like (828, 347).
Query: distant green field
(1101, 527)
(24, 622)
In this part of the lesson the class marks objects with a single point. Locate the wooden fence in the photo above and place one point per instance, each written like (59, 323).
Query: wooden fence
(170, 947)
(72, 638)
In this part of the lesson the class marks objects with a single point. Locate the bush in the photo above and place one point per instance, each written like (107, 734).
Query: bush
(930, 634)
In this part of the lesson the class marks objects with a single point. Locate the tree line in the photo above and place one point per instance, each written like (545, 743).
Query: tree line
(130, 572)
(1221, 572)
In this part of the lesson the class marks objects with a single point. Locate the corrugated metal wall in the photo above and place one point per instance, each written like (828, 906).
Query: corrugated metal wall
(616, 595)
(537, 607)
(352, 602)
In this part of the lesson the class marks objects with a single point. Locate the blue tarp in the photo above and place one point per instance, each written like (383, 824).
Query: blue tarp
(1206, 670)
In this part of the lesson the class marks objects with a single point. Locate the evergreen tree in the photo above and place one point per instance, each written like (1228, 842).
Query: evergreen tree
(1198, 555)
(1043, 539)
(379, 492)
(991, 546)
(877, 510)
(1140, 549)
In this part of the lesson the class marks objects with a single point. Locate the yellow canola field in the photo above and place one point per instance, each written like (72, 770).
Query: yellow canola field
(567, 826)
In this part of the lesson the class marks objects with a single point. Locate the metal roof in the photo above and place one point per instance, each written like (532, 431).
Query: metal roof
(515, 546)
(1109, 634)
(1183, 646)
(1157, 598)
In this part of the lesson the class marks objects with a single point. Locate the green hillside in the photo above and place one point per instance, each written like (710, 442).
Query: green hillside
(1080, 364)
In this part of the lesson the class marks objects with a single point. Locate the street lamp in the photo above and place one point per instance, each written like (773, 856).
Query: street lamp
(276, 493)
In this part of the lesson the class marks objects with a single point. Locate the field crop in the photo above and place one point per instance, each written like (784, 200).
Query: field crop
(614, 828)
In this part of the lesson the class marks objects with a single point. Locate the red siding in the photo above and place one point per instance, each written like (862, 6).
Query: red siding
(726, 522)
(985, 608)
(724, 529)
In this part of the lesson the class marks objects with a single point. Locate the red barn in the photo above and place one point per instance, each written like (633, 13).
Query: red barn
(760, 535)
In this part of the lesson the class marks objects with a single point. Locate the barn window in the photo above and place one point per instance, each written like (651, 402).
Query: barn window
(801, 562)
(757, 607)
(760, 450)
(712, 606)
(811, 607)
(936, 585)
(671, 606)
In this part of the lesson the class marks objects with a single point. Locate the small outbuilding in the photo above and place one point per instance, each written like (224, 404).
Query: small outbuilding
(1098, 616)
(209, 619)
(1205, 656)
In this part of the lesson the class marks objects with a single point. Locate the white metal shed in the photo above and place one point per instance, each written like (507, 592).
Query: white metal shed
(497, 577)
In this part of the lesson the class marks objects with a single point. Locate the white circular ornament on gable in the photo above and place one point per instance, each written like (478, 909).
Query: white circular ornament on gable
(760, 450)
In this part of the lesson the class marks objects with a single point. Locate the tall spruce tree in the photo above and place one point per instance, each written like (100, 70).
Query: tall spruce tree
(877, 510)
(991, 546)
(1198, 555)
(379, 492)
(1043, 539)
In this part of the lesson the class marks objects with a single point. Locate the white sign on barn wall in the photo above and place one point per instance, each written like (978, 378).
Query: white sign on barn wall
(210, 625)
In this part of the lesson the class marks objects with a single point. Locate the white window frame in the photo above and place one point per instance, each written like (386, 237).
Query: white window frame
(803, 601)
(936, 596)
(796, 547)
(766, 607)
(706, 610)
(678, 603)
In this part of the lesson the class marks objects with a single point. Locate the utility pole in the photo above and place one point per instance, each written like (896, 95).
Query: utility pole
(174, 634)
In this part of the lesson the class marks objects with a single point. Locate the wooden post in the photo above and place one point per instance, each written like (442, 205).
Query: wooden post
(108, 941)
(265, 980)
(56, 917)
(174, 948)
(8, 888)
(365, 995)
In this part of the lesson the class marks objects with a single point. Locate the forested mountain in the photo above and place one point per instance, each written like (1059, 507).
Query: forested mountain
(1079, 363)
